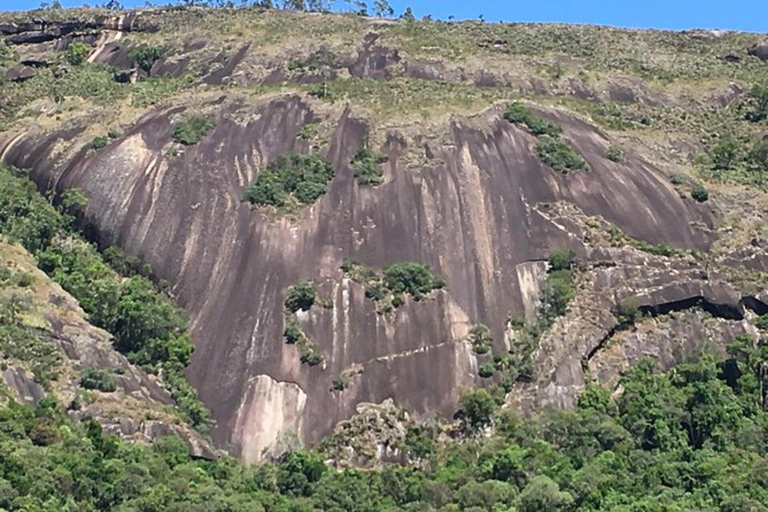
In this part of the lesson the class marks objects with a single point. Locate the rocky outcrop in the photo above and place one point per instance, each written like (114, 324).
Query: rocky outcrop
(136, 410)
(372, 437)
(270, 413)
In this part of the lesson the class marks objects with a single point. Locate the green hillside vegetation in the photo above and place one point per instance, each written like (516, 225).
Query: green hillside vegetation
(690, 440)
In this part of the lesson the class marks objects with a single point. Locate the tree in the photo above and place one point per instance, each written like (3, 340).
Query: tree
(724, 155)
(477, 407)
(77, 53)
(383, 9)
(408, 15)
(562, 259)
(542, 494)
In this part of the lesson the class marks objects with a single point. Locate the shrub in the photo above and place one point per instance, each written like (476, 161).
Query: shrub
(311, 356)
(367, 165)
(699, 193)
(413, 278)
(304, 177)
(340, 382)
(98, 378)
(627, 312)
(676, 179)
(301, 297)
(77, 53)
(518, 113)
(23, 279)
(145, 56)
(759, 99)
(292, 333)
(558, 292)
(758, 156)
(561, 259)
(486, 370)
(724, 154)
(614, 154)
(480, 338)
(192, 131)
(99, 142)
(557, 154)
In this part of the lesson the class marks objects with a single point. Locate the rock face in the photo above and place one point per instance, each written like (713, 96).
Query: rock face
(276, 409)
(473, 219)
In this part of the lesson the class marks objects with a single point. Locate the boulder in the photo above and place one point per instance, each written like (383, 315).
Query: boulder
(760, 50)
(20, 73)
(129, 76)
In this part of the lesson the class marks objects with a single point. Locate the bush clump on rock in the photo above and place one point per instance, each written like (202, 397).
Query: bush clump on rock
(301, 297)
(192, 131)
(293, 177)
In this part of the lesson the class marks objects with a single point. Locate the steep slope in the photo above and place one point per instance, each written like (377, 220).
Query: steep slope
(49, 346)
(465, 191)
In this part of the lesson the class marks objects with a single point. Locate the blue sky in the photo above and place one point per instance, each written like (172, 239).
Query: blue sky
(749, 15)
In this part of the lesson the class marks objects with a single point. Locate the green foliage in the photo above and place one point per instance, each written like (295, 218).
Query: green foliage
(99, 379)
(77, 53)
(145, 56)
(695, 438)
(191, 131)
(627, 312)
(301, 297)
(480, 338)
(340, 382)
(99, 142)
(486, 370)
(25, 216)
(292, 333)
(294, 176)
(699, 193)
(367, 165)
(388, 288)
(619, 239)
(725, 154)
(413, 278)
(125, 264)
(676, 179)
(762, 322)
(562, 259)
(41, 354)
(476, 409)
(557, 154)
(614, 154)
(518, 113)
(558, 292)
(759, 103)
(72, 204)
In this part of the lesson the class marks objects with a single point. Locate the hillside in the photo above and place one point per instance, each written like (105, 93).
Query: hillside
(353, 209)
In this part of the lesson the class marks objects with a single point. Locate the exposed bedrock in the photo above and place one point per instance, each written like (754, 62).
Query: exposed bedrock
(590, 340)
(473, 218)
